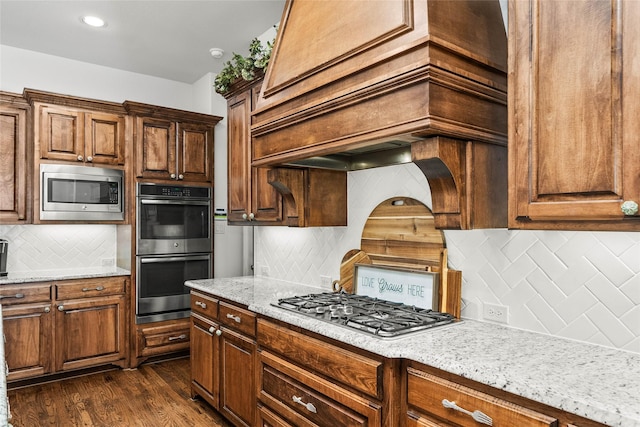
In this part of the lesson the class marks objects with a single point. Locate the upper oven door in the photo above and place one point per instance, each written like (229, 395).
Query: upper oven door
(173, 226)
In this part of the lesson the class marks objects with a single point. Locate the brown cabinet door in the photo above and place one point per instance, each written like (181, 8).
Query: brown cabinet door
(60, 133)
(195, 152)
(90, 331)
(239, 157)
(573, 137)
(80, 136)
(251, 199)
(13, 163)
(28, 329)
(204, 360)
(156, 148)
(104, 138)
(237, 378)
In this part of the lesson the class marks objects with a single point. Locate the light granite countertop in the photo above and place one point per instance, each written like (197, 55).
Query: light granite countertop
(62, 274)
(595, 382)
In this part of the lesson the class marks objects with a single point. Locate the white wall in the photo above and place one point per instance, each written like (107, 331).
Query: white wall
(21, 69)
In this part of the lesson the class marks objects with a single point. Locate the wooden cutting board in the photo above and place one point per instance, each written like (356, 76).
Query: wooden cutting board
(400, 232)
(350, 259)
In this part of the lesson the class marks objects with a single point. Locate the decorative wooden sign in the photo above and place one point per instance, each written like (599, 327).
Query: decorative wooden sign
(417, 288)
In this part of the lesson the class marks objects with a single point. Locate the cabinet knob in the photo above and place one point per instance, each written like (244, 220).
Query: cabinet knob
(212, 330)
(173, 176)
(180, 176)
(244, 216)
(218, 332)
(80, 158)
(629, 207)
(47, 309)
(61, 308)
(251, 216)
(89, 159)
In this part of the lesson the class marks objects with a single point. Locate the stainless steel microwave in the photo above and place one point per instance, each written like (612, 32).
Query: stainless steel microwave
(80, 193)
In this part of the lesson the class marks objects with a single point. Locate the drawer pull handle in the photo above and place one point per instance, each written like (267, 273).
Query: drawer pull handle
(212, 330)
(236, 318)
(201, 304)
(179, 337)
(309, 405)
(480, 417)
(16, 296)
(97, 288)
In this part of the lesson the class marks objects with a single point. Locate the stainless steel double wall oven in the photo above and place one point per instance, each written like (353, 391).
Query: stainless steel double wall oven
(173, 244)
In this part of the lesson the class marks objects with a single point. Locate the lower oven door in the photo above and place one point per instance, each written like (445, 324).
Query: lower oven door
(160, 290)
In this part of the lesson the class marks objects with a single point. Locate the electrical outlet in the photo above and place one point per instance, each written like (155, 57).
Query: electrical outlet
(496, 313)
(107, 262)
(325, 281)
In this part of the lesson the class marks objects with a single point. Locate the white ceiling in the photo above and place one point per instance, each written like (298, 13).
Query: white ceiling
(162, 38)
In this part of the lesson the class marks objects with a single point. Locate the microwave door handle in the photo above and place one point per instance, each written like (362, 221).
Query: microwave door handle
(175, 202)
(146, 260)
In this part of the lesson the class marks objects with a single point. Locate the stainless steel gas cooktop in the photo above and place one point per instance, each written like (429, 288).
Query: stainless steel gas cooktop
(377, 317)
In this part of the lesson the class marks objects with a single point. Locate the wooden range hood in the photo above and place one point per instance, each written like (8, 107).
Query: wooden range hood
(355, 84)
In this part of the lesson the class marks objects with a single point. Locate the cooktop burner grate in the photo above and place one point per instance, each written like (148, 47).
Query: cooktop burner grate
(377, 317)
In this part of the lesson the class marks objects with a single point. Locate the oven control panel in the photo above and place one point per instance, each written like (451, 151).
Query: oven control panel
(173, 191)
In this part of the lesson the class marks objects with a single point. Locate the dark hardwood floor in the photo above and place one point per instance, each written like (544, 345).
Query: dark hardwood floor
(154, 395)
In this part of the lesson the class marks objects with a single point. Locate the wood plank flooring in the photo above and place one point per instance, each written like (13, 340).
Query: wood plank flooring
(154, 395)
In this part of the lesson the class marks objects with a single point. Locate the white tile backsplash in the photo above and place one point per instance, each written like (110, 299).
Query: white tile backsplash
(59, 247)
(578, 285)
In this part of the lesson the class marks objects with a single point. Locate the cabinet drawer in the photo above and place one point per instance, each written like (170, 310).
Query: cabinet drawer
(204, 304)
(426, 393)
(306, 399)
(157, 340)
(349, 368)
(90, 288)
(24, 294)
(237, 318)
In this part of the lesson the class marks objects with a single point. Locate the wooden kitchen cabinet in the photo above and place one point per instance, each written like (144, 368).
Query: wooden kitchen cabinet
(28, 329)
(426, 389)
(172, 145)
(53, 327)
(78, 130)
(306, 381)
(251, 200)
(160, 338)
(573, 108)
(298, 197)
(90, 323)
(16, 152)
(223, 351)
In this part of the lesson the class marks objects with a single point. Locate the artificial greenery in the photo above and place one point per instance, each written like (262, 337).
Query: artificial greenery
(241, 67)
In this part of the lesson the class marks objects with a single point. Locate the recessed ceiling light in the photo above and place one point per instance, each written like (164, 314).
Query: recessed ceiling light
(94, 21)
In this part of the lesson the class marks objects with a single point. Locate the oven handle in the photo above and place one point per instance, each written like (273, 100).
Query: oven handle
(175, 202)
(150, 260)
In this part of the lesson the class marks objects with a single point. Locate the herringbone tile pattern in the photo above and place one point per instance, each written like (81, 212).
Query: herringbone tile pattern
(579, 285)
(59, 247)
